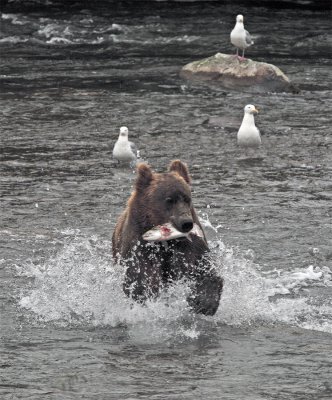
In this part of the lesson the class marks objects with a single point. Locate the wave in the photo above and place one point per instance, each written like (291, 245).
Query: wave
(59, 40)
(80, 285)
(84, 32)
(153, 41)
(13, 40)
(15, 19)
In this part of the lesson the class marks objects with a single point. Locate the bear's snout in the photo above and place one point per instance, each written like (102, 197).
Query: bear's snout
(185, 224)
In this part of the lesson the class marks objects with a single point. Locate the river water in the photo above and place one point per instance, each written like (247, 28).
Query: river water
(69, 80)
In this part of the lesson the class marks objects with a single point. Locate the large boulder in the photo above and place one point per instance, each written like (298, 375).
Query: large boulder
(232, 73)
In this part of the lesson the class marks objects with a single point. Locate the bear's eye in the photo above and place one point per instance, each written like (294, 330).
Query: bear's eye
(169, 201)
(186, 199)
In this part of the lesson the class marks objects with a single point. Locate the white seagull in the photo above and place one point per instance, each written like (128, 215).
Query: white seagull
(124, 151)
(248, 135)
(240, 38)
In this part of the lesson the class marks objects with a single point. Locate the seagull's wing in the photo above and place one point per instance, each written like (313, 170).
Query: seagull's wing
(133, 148)
(115, 146)
(248, 38)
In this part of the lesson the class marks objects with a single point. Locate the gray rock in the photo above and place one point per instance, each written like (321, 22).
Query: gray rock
(228, 71)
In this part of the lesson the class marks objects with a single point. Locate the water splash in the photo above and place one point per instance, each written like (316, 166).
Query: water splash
(80, 285)
(252, 296)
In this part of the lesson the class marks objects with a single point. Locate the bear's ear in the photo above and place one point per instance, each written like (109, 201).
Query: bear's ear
(180, 168)
(144, 176)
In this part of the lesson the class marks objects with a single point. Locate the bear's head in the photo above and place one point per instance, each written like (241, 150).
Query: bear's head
(165, 197)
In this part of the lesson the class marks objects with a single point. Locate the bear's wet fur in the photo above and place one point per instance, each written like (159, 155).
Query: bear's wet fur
(159, 198)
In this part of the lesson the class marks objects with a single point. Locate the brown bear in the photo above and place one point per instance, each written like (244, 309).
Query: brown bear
(156, 200)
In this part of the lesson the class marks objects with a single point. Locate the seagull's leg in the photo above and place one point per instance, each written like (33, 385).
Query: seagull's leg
(242, 58)
(239, 57)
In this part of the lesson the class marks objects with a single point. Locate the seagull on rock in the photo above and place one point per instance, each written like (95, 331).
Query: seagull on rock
(240, 38)
(124, 151)
(248, 135)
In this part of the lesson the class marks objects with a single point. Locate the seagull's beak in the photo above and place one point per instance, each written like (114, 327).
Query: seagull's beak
(256, 110)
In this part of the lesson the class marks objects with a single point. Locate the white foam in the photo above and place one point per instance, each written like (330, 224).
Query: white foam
(55, 33)
(15, 19)
(58, 40)
(118, 27)
(49, 30)
(13, 40)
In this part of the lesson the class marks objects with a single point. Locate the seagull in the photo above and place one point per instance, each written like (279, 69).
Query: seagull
(240, 38)
(124, 151)
(248, 135)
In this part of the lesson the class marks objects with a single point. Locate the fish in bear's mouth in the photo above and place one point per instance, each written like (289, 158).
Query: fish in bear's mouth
(167, 231)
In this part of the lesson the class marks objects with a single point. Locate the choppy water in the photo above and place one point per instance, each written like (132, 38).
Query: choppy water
(69, 80)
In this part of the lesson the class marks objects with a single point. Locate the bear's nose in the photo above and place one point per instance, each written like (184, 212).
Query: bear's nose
(186, 224)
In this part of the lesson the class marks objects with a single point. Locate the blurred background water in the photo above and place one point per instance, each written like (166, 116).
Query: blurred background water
(71, 75)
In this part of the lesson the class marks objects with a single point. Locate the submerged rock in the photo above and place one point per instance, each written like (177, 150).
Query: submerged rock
(228, 71)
